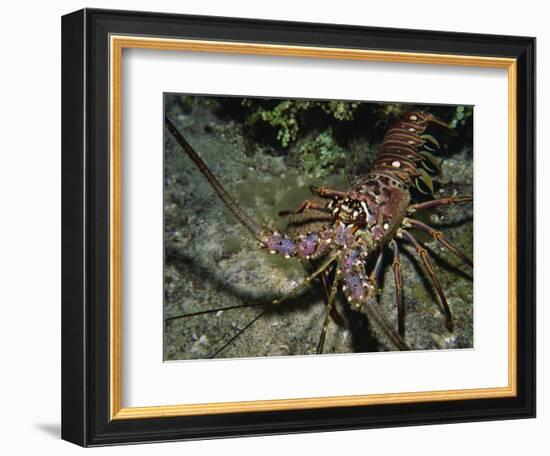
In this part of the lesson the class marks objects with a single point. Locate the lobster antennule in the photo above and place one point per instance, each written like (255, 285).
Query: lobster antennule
(252, 226)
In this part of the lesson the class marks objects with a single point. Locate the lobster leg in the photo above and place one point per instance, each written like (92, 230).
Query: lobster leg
(439, 237)
(439, 202)
(294, 292)
(248, 325)
(327, 192)
(374, 315)
(375, 273)
(307, 204)
(334, 312)
(298, 288)
(423, 253)
(328, 310)
(396, 266)
(374, 276)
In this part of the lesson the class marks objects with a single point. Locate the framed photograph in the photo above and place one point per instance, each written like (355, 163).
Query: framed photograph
(274, 227)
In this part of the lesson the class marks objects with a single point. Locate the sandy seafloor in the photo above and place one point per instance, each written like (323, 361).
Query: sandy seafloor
(211, 261)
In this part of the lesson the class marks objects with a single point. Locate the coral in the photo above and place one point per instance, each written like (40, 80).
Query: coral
(288, 117)
(321, 156)
(283, 117)
(461, 115)
(340, 110)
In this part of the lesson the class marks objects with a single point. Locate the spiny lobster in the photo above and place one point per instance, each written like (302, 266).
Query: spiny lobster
(365, 221)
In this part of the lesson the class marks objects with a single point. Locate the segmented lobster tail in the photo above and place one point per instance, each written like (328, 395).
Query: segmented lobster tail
(405, 151)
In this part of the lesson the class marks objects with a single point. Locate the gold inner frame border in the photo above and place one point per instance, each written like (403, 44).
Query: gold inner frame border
(116, 46)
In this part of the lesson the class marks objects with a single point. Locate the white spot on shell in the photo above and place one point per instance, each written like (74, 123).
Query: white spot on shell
(386, 226)
(396, 164)
(413, 117)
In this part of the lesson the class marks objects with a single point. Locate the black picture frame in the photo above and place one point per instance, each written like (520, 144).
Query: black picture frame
(86, 415)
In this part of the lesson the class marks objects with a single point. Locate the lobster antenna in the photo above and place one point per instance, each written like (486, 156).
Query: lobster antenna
(230, 341)
(252, 226)
(217, 309)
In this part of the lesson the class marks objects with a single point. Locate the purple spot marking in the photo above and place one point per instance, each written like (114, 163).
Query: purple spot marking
(343, 233)
(377, 232)
(271, 242)
(288, 247)
(308, 245)
(281, 244)
(354, 287)
(349, 260)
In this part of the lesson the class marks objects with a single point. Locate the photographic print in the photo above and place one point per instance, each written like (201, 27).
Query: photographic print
(303, 227)
(220, 232)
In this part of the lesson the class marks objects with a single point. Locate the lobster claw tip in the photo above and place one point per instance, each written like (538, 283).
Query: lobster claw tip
(436, 120)
(450, 130)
